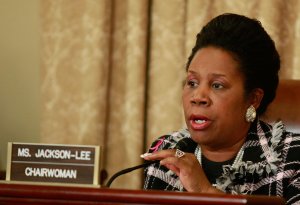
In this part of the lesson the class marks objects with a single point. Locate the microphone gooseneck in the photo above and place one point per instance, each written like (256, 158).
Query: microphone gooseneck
(124, 171)
(185, 145)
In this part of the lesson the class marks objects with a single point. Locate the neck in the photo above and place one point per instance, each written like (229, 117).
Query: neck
(222, 154)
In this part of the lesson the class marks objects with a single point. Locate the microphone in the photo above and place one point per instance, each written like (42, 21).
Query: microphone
(185, 145)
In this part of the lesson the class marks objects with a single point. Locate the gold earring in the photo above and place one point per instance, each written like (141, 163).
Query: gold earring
(250, 114)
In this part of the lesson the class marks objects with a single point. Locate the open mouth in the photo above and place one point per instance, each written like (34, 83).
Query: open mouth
(199, 121)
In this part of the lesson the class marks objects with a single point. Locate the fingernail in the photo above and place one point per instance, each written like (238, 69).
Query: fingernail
(145, 155)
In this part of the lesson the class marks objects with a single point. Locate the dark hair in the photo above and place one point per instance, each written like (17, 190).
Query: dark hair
(250, 45)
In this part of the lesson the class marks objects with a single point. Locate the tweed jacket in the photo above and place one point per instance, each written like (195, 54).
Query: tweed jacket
(270, 164)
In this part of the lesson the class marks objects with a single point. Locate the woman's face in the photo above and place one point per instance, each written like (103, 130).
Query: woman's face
(214, 99)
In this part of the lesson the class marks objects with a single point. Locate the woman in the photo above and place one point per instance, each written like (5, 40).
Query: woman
(232, 76)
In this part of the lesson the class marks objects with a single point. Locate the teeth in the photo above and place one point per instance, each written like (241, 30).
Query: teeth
(199, 121)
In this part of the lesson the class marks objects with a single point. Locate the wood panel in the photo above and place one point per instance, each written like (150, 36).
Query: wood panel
(286, 105)
(32, 194)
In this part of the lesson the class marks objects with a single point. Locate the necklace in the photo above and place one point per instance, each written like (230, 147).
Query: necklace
(235, 163)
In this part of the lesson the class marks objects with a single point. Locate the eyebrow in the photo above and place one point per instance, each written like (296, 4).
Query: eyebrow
(218, 75)
(211, 74)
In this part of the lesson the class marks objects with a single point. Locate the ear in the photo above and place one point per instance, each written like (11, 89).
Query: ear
(256, 96)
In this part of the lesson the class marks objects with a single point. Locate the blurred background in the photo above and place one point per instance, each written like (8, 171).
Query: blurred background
(110, 72)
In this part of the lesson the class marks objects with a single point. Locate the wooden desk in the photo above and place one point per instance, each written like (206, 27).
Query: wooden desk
(32, 194)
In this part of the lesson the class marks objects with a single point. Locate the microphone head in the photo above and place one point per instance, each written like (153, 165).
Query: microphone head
(186, 145)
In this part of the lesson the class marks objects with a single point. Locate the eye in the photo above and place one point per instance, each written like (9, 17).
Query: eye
(217, 86)
(192, 83)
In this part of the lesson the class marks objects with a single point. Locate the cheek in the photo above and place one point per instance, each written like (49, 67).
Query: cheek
(185, 101)
(185, 97)
(232, 109)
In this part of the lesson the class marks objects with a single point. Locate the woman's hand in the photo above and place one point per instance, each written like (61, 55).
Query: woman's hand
(187, 168)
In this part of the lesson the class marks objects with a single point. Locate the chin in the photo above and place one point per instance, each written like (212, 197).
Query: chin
(197, 137)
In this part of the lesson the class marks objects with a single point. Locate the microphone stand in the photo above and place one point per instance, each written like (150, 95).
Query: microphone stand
(124, 171)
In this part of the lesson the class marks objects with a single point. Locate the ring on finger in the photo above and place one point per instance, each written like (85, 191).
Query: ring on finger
(179, 153)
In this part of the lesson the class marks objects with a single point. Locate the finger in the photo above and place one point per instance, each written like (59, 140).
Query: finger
(173, 168)
(182, 164)
(159, 155)
(170, 161)
(174, 164)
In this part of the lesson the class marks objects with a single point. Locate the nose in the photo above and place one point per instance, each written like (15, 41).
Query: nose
(200, 96)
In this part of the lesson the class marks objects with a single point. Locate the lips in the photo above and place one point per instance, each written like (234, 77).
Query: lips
(199, 122)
